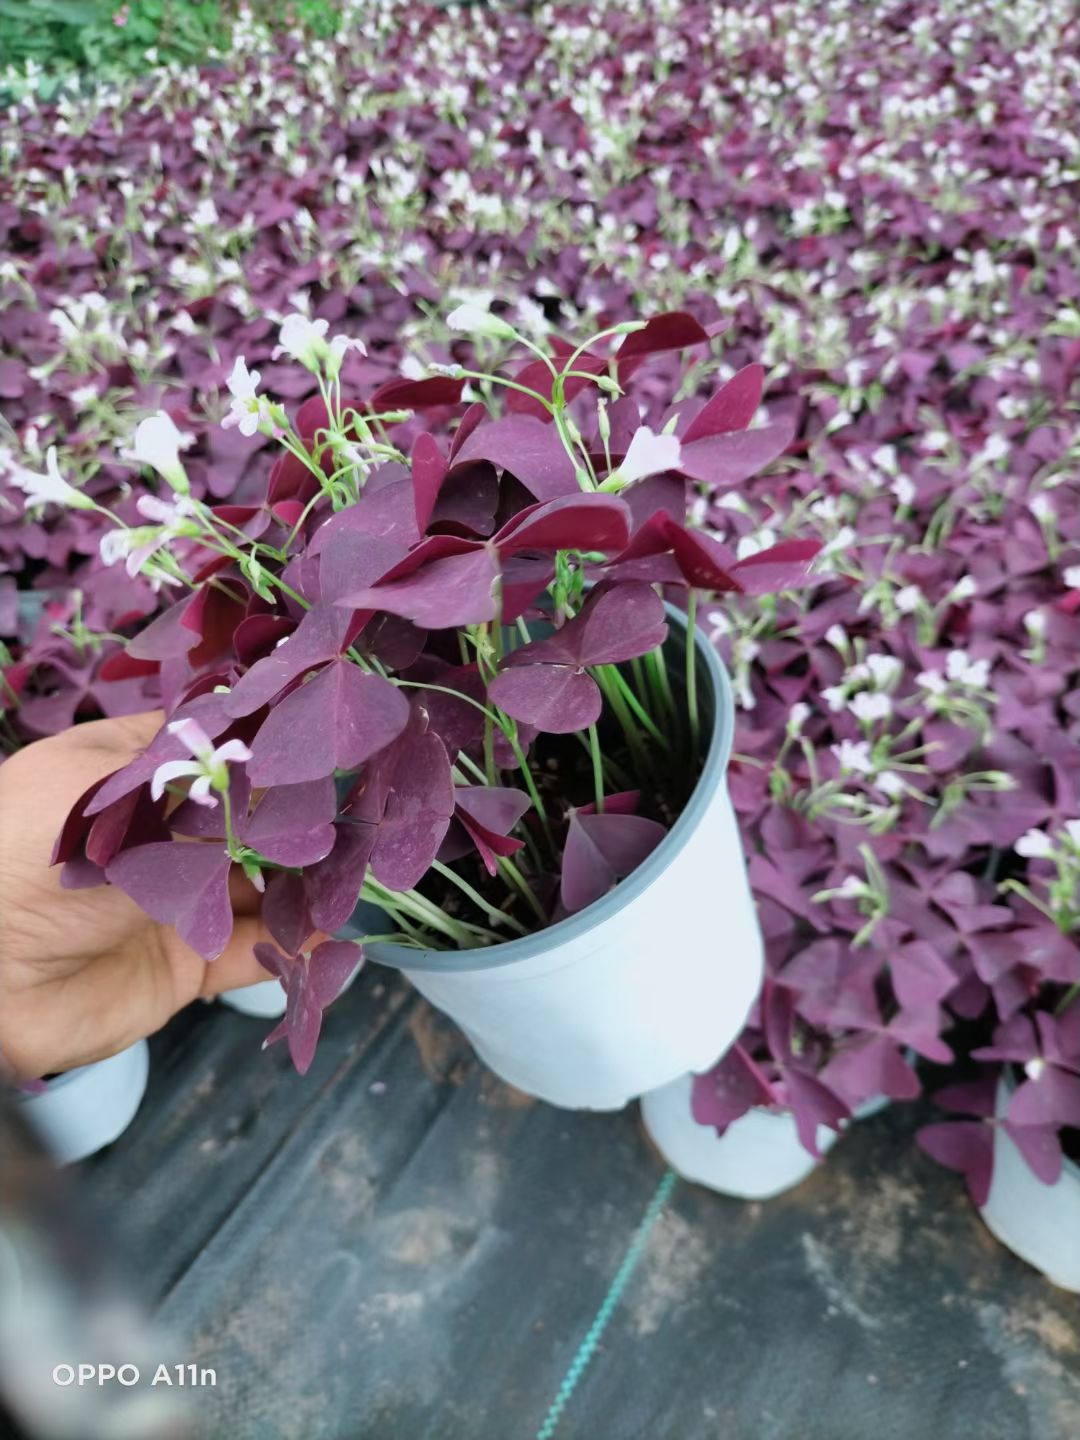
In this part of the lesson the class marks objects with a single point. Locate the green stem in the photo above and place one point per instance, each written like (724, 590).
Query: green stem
(691, 674)
(622, 685)
(514, 875)
(493, 913)
(658, 670)
(626, 720)
(597, 769)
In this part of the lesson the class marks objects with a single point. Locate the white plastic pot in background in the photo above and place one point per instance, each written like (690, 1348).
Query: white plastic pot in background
(266, 1000)
(655, 979)
(84, 1110)
(758, 1156)
(1040, 1223)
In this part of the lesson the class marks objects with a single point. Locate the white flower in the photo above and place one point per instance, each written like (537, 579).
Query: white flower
(208, 766)
(854, 755)
(249, 409)
(885, 669)
(869, 706)
(1034, 845)
(835, 696)
(339, 347)
(83, 396)
(302, 339)
(904, 489)
(958, 667)
(851, 889)
(1072, 830)
(305, 341)
(649, 454)
(837, 637)
(473, 320)
(50, 488)
(165, 512)
(933, 681)
(1034, 1067)
(890, 783)
(157, 444)
(996, 448)
(1035, 623)
(908, 599)
(844, 538)
(964, 589)
(797, 718)
(754, 544)
(1041, 507)
(115, 544)
(718, 624)
(1071, 577)
(205, 215)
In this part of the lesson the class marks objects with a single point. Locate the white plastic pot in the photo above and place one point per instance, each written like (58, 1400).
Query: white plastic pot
(655, 979)
(266, 1000)
(84, 1110)
(758, 1156)
(1040, 1223)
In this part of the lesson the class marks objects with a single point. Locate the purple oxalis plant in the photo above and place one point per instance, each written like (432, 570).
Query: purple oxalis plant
(422, 678)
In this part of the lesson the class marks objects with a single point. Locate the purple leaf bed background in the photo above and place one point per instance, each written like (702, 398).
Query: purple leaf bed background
(881, 203)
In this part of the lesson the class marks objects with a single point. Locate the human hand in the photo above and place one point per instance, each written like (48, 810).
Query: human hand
(85, 973)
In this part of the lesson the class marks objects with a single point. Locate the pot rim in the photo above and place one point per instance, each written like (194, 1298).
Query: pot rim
(574, 927)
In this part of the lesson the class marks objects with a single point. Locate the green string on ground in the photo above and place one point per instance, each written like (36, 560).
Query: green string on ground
(585, 1350)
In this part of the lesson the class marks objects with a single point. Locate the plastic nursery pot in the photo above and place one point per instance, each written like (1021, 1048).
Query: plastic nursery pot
(655, 979)
(757, 1157)
(83, 1110)
(1038, 1222)
(266, 999)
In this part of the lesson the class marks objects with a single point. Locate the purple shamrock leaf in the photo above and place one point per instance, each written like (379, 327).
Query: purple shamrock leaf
(311, 982)
(526, 448)
(334, 722)
(182, 884)
(444, 582)
(484, 815)
(419, 805)
(731, 408)
(726, 1092)
(332, 887)
(573, 522)
(602, 849)
(554, 698)
(966, 1146)
(428, 473)
(285, 911)
(291, 824)
(870, 1066)
(544, 682)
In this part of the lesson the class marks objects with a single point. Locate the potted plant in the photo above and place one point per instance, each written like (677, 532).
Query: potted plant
(833, 1038)
(83, 1110)
(1014, 1131)
(442, 680)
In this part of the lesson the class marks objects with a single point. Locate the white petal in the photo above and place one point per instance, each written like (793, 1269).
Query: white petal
(232, 750)
(200, 792)
(650, 454)
(171, 770)
(192, 735)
